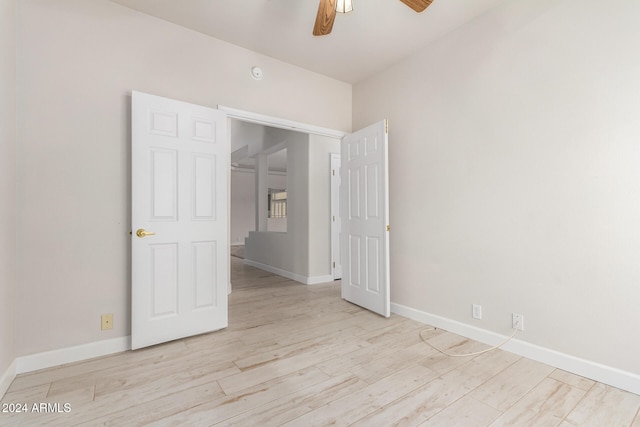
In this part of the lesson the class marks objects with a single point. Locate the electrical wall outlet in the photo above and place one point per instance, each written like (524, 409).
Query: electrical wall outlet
(476, 311)
(518, 322)
(107, 321)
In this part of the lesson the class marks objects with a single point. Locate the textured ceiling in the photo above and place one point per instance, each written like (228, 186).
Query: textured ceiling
(374, 36)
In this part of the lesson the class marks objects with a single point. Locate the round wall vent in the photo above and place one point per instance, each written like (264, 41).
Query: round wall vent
(256, 73)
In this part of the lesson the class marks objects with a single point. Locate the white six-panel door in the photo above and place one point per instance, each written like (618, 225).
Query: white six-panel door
(179, 197)
(365, 212)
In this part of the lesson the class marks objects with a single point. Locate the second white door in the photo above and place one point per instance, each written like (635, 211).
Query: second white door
(364, 210)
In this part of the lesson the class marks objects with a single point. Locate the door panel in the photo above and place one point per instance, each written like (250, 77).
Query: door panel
(164, 280)
(373, 264)
(179, 193)
(365, 239)
(164, 184)
(204, 273)
(204, 187)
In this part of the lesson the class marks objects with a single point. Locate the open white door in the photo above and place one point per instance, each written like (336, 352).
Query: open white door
(179, 199)
(364, 197)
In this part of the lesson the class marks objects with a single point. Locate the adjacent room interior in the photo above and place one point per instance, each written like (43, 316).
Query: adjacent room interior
(293, 236)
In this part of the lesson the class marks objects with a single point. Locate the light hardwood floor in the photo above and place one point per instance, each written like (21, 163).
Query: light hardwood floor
(301, 356)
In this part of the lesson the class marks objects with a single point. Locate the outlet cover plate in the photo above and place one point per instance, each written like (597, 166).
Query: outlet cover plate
(518, 322)
(106, 321)
(477, 311)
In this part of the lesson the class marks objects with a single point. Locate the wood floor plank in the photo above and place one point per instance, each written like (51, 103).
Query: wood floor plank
(138, 395)
(389, 362)
(510, 385)
(428, 400)
(270, 371)
(466, 411)
(218, 410)
(157, 409)
(31, 394)
(488, 365)
(387, 331)
(350, 409)
(71, 392)
(454, 344)
(288, 408)
(546, 405)
(287, 351)
(572, 379)
(343, 323)
(364, 359)
(135, 391)
(604, 406)
(417, 406)
(143, 356)
(636, 422)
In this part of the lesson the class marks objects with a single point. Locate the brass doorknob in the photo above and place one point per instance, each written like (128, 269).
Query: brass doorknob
(141, 232)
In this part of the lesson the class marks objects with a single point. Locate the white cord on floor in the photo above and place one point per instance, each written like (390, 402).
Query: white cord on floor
(515, 331)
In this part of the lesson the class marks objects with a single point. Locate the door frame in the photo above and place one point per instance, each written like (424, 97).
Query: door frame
(336, 267)
(262, 119)
(276, 122)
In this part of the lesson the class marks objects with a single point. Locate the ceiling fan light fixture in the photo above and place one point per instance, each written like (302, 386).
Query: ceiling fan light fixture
(344, 6)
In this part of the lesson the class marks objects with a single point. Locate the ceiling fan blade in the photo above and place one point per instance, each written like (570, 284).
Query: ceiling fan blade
(417, 5)
(324, 19)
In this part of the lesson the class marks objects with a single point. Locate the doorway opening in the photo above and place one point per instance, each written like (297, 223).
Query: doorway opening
(280, 210)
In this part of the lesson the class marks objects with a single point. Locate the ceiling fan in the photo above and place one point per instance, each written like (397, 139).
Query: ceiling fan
(327, 13)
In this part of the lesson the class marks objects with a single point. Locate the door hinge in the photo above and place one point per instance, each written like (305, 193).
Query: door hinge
(334, 172)
(386, 126)
(334, 264)
(388, 228)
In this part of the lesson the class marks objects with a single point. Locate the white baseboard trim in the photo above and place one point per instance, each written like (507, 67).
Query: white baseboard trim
(307, 280)
(48, 359)
(316, 280)
(605, 374)
(7, 378)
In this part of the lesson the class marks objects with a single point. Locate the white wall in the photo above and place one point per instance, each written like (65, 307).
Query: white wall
(515, 174)
(305, 249)
(243, 193)
(288, 252)
(7, 189)
(78, 62)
